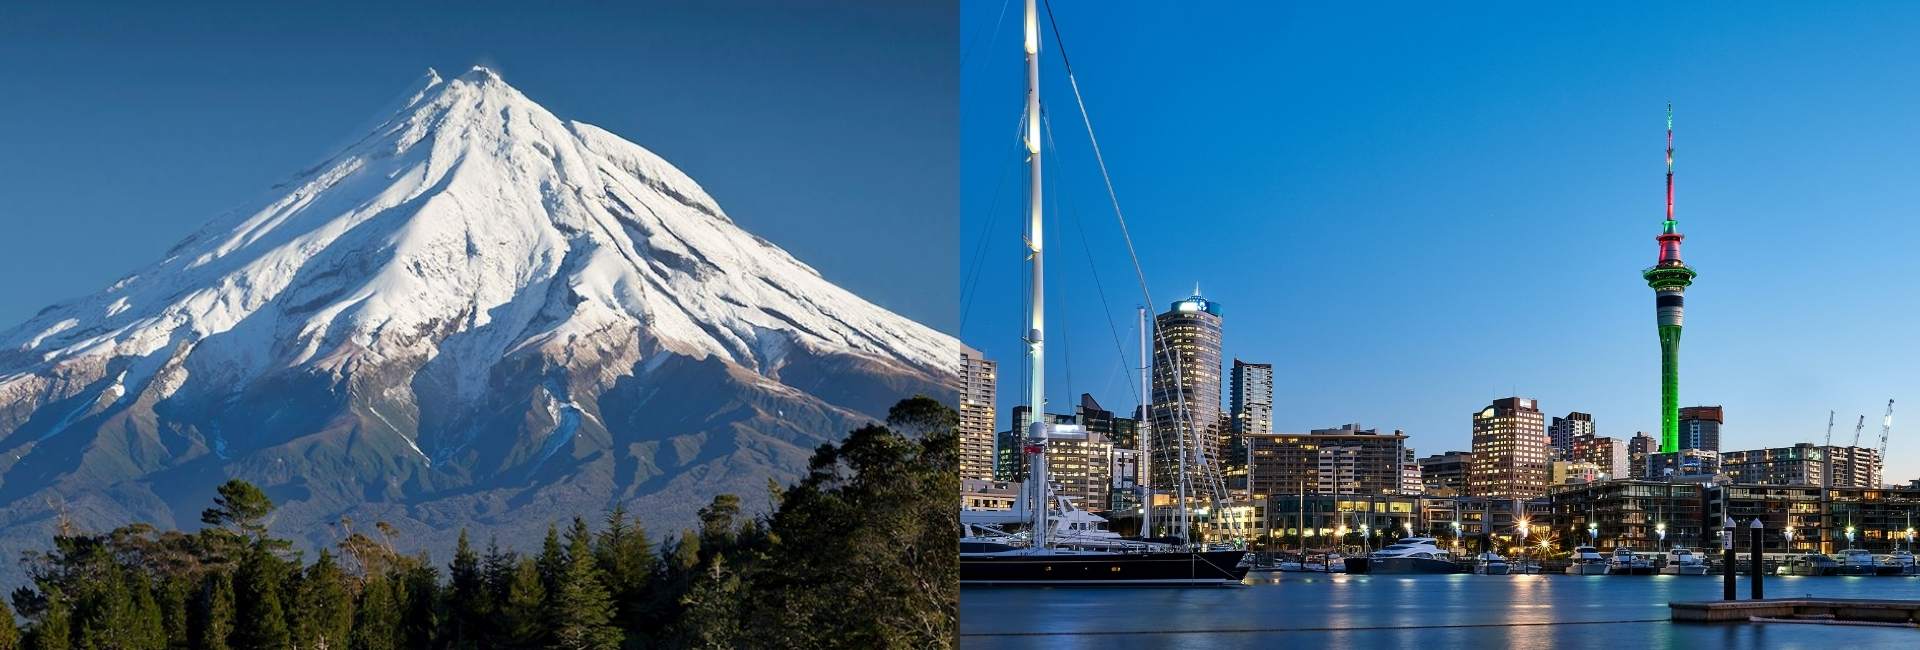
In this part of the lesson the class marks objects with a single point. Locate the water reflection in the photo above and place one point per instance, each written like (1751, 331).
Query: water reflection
(1320, 610)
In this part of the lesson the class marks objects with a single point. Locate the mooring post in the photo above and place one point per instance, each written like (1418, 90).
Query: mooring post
(1728, 565)
(1759, 552)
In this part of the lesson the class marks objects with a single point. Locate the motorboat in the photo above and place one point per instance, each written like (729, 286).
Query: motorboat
(1811, 564)
(1627, 563)
(1857, 562)
(1587, 562)
(1408, 555)
(1490, 564)
(1899, 563)
(1682, 561)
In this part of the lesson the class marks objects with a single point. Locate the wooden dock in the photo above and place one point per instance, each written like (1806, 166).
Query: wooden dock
(1837, 611)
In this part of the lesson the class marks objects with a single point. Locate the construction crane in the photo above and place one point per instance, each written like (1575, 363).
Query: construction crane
(1886, 427)
(1862, 424)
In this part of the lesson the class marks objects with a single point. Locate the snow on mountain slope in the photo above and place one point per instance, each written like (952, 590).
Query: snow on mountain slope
(475, 295)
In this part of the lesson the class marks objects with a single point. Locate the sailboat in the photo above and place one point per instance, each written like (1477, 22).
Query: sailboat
(1044, 560)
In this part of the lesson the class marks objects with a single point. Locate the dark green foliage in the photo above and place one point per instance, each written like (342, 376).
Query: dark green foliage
(469, 600)
(859, 553)
(322, 615)
(524, 623)
(259, 621)
(211, 626)
(581, 610)
(376, 619)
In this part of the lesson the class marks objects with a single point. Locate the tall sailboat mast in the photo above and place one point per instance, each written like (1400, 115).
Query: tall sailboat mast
(1143, 434)
(1036, 299)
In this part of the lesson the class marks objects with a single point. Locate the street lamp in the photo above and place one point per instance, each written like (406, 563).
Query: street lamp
(1523, 546)
(1849, 537)
(1788, 533)
(1661, 530)
(1456, 533)
(1366, 535)
(1593, 533)
(1910, 538)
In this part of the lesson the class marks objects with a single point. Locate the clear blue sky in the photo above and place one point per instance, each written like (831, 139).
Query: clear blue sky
(1412, 209)
(828, 128)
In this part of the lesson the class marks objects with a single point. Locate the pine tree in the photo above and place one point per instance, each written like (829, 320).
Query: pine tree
(419, 599)
(175, 601)
(146, 630)
(468, 604)
(212, 621)
(525, 622)
(582, 613)
(710, 618)
(322, 612)
(627, 561)
(498, 567)
(376, 619)
(553, 561)
(54, 628)
(261, 621)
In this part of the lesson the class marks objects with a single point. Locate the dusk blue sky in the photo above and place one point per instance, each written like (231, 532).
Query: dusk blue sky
(1412, 209)
(827, 128)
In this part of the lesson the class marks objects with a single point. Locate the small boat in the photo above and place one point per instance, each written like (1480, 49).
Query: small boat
(1899, 563)
(1409, 555)
(1857, 562)
(1490, 564)
(1587, 562)
(1626, 563)
(1682, 561)
(1811, 564)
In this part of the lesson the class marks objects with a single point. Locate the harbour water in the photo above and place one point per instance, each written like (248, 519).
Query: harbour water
(1421, 611)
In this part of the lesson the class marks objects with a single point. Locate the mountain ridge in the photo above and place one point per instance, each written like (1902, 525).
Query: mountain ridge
(474, 306)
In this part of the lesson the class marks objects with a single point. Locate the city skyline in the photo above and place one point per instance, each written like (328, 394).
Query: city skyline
(1510, 218)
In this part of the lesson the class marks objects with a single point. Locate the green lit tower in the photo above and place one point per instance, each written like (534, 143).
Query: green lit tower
(1669, 279)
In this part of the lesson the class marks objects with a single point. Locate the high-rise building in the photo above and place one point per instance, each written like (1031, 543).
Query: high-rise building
(1411, 480)
(1562, 431)
(977, 415)
(1801, 464)
(1669, 279)
(1445, 474)
(1638, 449)
(1608, 454)
(1700, 427)
(1080, 466)
(1186, 392)
(1855, 466)
(1509, 450)
(1124, 494)
(1347, 460)
(1251, 398)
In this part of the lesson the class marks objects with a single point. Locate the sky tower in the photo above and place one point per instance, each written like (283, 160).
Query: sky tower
(1669, 279)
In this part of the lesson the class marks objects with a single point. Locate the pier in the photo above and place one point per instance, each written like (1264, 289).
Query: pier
(1832, 611)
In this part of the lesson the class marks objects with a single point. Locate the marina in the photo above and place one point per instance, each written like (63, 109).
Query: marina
(1459, 610)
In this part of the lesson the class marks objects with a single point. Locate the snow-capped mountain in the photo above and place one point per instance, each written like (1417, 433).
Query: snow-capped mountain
(479, 313)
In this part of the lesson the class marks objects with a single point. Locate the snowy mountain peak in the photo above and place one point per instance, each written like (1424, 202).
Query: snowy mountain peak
(469, 226)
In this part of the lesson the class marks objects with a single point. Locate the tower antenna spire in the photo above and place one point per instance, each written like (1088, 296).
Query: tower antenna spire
(1669, 224)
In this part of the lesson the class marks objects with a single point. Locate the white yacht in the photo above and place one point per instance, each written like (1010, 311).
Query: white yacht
(1682, 561)
(1626, 563)
(1409, 555)
(1490, 564)
(1587, 562)
(1857, 562)
(1811, 564)
(1899, 563)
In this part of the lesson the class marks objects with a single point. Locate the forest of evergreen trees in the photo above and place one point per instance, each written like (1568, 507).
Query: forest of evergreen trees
(860, 552)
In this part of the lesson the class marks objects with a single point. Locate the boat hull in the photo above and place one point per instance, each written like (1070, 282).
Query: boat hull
(1684, 570)
(1400, 566)
(1492, 569)
(1200, 568)
(1587, 569)
(1630, 570)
